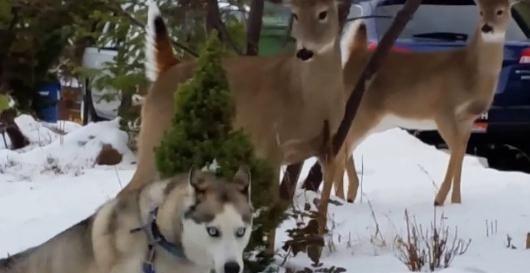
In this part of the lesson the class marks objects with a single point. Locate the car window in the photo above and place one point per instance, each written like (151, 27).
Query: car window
(445, 16)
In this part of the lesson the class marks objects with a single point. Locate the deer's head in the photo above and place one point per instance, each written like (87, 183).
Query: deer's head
(494, 18)
(315, 26)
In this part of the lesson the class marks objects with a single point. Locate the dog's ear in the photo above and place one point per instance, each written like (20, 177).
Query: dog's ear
(196, 183)
(242, 179)
(515, 2)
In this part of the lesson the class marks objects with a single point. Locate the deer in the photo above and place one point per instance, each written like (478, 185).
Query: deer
(277, 99)
(445, 91)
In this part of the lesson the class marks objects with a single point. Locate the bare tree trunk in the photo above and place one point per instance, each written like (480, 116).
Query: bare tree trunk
(7, 36)
(213, 22)
(255, 20)
(212, 15)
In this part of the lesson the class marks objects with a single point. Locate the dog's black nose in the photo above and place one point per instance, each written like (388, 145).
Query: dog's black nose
(304, 54)
(486, 28)
(232, 267)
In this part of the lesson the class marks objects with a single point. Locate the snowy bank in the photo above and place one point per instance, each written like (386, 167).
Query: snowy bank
(52, 152)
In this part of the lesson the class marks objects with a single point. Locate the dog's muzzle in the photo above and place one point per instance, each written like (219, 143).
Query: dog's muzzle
(486, 29)
(304, 54)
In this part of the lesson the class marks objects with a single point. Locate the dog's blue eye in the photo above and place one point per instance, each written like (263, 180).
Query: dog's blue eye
(213, 232)
(240, 232)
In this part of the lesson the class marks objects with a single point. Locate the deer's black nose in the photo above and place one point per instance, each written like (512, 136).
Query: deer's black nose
(487, 28)
(304, 54)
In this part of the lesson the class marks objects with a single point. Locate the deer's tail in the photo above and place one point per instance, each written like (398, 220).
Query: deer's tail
(355, 56)
(354, 41)
(158, 48)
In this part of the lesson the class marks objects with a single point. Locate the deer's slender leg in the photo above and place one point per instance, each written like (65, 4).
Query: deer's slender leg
(339, 186)
(339, 177)
(449, 131)
(353, 180)
(446, 184)
(361, 127)
(330, 171)
(461, 151)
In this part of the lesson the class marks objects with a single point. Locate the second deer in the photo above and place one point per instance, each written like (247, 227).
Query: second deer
(445, 91)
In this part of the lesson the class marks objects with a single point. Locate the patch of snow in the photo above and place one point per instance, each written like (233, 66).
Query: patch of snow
(398, 172)
(69, 154)
(63, 126)
(35, 131)
(41, 133)
(34, 211)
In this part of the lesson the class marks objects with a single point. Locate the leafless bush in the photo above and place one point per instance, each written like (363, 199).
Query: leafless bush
(509, 242)
(305, 238)
(377, 238)
(491, 228)
(331, 269)
(433, 247)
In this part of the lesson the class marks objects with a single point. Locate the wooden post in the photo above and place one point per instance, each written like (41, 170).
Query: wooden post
(528, 240)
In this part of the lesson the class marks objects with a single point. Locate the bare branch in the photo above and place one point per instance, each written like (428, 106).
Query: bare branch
(213, 21)
(255, 20)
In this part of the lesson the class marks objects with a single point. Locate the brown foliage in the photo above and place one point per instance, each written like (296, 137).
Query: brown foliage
(433, 246)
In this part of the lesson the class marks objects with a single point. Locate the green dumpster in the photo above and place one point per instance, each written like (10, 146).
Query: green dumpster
(275, 32)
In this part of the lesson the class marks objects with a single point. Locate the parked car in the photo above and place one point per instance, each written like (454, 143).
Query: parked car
(448, 24)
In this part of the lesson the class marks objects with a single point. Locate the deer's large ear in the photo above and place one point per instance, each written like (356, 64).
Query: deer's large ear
(196, 183)
(242, 179)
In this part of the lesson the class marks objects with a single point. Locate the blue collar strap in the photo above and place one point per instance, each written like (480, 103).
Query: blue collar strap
(156, 238)
(159, 239)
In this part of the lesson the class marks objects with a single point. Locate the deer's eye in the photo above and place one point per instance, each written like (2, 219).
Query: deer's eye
(322, 16)
(481, 13)
(500, 12)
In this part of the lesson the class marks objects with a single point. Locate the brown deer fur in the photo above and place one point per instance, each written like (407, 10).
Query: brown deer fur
(277, 99)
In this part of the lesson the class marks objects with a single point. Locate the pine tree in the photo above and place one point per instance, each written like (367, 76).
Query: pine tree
(201, 134)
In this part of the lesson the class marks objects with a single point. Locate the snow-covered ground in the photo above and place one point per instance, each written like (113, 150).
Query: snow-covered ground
(401, 173)
(38, 199)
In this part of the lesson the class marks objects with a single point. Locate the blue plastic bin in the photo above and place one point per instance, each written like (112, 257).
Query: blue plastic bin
(48, 99)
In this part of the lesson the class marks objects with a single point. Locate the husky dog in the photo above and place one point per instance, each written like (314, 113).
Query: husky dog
(195, 223)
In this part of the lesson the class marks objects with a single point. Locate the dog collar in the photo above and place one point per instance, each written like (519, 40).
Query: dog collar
(159, 239)
(156, 238)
